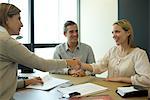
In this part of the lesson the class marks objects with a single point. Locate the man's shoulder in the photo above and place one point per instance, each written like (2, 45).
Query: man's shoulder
(85, 45)
(60, 45)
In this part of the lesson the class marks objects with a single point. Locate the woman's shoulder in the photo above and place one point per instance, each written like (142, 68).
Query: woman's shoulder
(4, 37)
(138, 50)
(139, 53)
(135, 50)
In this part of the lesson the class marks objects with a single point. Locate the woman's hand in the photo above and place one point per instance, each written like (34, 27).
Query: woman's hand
(32, 81)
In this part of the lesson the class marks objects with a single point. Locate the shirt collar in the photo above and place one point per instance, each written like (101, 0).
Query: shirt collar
(67, 48)
(2, 29)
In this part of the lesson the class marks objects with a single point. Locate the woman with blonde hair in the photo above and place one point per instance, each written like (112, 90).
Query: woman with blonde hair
(125, 62)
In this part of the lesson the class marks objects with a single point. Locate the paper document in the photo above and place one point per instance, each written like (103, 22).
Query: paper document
(49, 83)
(83, 89)
(102, 75)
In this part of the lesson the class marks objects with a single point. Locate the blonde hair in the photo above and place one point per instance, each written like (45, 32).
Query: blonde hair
(126, 26)
(7, 10)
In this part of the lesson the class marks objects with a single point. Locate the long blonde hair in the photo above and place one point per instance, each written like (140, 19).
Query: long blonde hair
(126, 26)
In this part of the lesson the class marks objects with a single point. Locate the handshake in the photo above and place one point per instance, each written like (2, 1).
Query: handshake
(75, 68)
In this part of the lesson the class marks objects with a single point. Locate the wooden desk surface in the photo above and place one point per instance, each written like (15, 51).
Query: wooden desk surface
(32, 94)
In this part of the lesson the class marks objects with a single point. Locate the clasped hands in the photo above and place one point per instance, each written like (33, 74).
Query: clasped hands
(75, 68)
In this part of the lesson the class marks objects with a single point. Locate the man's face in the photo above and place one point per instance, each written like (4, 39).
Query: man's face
(72, 33)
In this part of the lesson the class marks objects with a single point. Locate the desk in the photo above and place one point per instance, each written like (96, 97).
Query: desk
(31, 94)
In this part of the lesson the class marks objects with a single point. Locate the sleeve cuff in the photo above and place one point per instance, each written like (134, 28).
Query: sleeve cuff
(66, 71)
(132, 80)
(20, 83)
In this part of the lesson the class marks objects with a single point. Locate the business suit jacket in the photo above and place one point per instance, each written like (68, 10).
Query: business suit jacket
(11, 53)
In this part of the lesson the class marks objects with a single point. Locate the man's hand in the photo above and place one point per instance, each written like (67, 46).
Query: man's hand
(74, 64)
(77, 73)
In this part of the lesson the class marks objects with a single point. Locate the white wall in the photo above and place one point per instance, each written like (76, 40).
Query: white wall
(97, 17)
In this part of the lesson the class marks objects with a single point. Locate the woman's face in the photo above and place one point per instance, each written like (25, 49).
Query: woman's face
(14, 24)
(119, 35)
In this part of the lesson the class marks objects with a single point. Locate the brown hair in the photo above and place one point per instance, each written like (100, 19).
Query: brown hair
(68, 23)
(7, 10)
(126, 26)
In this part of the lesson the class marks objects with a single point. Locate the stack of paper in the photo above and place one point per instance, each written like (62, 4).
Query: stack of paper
(83, 89)
(49, 83)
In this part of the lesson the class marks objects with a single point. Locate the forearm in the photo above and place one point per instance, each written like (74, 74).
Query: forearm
(60, 71)
(119, 79)
(125, 79)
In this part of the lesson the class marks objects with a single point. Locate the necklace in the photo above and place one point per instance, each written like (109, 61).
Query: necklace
(125, 53)
(118, 62)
